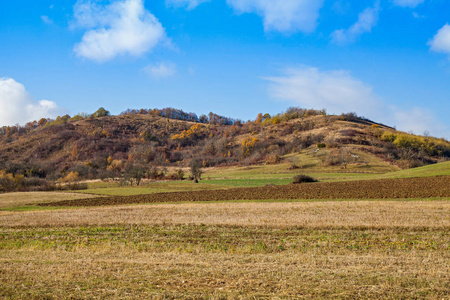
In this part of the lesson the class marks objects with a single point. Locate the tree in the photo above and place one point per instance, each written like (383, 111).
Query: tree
(203, 119)
(42, 122)
(259, 118)
(101, 112)
(196, 171)
(10, 182)
(72, 177)
(136, 172)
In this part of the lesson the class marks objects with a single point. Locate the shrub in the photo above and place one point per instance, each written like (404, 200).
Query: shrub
(180, 174)
(303, 178)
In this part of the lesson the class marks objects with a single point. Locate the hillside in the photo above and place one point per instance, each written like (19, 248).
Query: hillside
(147, 144)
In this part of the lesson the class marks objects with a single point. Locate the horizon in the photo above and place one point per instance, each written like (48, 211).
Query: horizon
(385, 60)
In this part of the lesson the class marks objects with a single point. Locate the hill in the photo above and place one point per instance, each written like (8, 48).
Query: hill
(149, 143)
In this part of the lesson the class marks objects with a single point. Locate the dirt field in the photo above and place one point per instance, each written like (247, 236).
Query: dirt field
(366, 189)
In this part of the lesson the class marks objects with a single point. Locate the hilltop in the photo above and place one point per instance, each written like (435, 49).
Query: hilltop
(148, 143)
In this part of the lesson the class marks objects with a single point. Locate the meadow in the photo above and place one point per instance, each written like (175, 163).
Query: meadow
(291, 248)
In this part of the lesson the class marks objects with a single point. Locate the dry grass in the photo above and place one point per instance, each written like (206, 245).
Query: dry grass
(373, 214)
(285, 250)
(219, 262)
(23, 198)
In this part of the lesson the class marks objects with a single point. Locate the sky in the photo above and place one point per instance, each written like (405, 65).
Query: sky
(386, 60)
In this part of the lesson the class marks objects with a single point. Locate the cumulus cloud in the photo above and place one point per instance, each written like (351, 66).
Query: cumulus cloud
(120, 28)
(17, 106)
(366, 21)
(338, 92)
(441, 41)
(161, 70)
(189, 4)
(408, 3)
(285, 16)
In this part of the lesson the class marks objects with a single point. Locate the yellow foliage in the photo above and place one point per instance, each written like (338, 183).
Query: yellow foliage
(115, 165)
(248, 144)
(432, 146)
(10, 182)
(388, 136)
(188, 134)
(71, 177)
(276, 120)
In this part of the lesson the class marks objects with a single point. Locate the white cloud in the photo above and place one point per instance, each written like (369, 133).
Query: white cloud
(417, 16)
(441, 41)
(46, 20)
(338, 92)
(17, 106)
(366, 21)
(285, 16)
(189, 4)
(408, 3)
(419, 120)
(120, 28)
(161, 70)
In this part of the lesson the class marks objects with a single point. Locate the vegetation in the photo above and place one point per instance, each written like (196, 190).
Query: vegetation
(151, 144)
(381, 239)
(303, 178)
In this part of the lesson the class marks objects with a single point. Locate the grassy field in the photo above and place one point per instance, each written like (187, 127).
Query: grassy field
(252, 249)
(111, 189)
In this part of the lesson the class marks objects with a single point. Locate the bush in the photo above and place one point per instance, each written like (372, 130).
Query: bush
(303, 178)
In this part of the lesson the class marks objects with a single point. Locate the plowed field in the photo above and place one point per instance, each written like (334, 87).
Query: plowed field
(366, 189)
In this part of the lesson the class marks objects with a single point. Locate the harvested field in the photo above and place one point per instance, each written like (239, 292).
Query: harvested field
(223, 262)
(317, 214)
(365, 189)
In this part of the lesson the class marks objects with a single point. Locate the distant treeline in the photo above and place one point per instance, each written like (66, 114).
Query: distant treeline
(178, 114)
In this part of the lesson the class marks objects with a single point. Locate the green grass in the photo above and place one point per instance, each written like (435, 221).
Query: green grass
(440, 169)
(246, 182)
(150, 188)
(24, 208)
(310, 163)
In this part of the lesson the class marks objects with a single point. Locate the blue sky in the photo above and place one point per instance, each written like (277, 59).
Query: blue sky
(388, 60)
